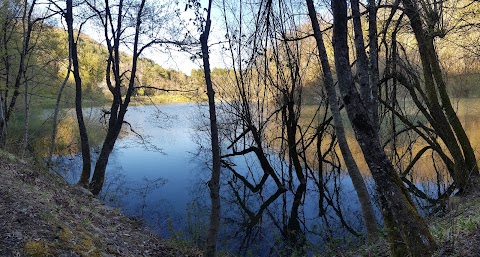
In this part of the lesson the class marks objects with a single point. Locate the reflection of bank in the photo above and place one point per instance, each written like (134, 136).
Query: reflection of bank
(67, 141)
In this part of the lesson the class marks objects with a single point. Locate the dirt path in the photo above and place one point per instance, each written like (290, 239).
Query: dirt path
(41, 216)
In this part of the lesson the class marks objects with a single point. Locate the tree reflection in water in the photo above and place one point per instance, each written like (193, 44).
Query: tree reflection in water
(259, 216)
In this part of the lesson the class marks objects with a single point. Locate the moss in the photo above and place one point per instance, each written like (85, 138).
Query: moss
(395, 241)
(11, 158)
(7, 156)
(79, 241)
(65, 234)
(87, 243)
(38, 249)
(87, 247)
(48, 217)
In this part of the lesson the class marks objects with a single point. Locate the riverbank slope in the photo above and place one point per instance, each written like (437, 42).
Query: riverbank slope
(41, 215)
(456, 229)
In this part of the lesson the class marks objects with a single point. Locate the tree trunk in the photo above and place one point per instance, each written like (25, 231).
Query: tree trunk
(4, 94)
(57, 110)
(25, 34)
(214, 183)
(3, 128)
(26, 121)
(86, 157)
(468, 152)
(373, 65)
(118, 108)
(361, 62)
(407, 231)
(28, 26)
(452, 129)
(98, 178)
(352, 168)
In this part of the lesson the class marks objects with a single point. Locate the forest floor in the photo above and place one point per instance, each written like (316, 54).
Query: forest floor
(41, 216)
(456, 229)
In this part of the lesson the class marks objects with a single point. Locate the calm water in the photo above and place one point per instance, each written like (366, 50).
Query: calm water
(161, 178)
(152, 173)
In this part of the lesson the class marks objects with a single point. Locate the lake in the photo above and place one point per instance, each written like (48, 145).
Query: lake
(158, 172)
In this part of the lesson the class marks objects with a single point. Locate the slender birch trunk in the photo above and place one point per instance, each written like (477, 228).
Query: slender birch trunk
(57, 110)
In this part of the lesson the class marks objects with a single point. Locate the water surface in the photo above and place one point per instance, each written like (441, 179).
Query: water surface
(159, 169)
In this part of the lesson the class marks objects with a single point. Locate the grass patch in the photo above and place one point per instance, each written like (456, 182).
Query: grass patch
(38, 249)
(4, 155)
(160, 99)
(463, 217)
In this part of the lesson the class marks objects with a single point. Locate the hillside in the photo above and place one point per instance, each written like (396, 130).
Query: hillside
(49, 64)
(40, 215)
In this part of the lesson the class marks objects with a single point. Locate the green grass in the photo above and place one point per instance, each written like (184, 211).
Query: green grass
(463, 217)
(159, 99)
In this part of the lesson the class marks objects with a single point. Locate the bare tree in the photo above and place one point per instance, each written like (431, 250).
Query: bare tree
(425, 84)
(8, 23)
(28, 21)
(407, 231)
(73, 54)
(264, 104)
(426, 28)
(136, 25)
(214, 182)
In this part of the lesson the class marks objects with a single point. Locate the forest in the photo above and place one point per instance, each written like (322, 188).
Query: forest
(307, 128)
